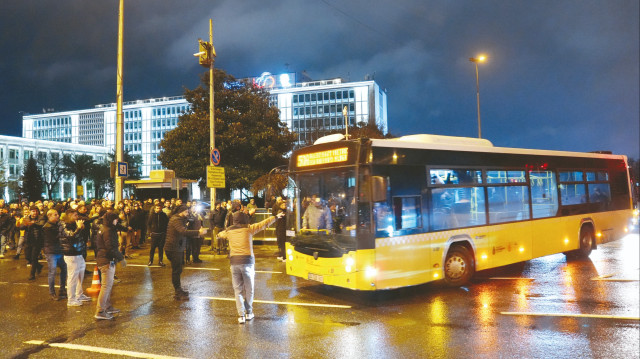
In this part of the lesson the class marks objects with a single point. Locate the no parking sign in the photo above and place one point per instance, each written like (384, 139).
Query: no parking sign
(215, 157)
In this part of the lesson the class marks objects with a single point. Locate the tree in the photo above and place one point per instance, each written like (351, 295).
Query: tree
(101, 177)
(78, 166)
(52, 170)
(134, 164)
(31, 181)
(248, 133)
(3, 178)
(273, 183)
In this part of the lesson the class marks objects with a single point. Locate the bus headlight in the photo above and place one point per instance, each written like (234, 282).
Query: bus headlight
(349, 264)
(370, 272)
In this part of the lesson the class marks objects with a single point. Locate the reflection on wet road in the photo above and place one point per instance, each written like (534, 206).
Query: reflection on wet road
(549, 307)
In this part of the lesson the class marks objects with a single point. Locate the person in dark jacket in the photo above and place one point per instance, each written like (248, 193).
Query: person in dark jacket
(126, 232)
(35, 241)
(138, 222)
(52, 231)
(108, 256)
(194, 220)
(157, 226)
(73, 247)
(218, 217)
(175, 245)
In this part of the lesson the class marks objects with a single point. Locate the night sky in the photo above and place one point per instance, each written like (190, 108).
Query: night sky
(560, 74)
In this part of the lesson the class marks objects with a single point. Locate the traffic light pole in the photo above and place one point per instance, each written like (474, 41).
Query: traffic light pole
(119, 123)
(212, 127)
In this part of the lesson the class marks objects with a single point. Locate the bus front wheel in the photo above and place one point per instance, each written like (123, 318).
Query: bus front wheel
(458, 266)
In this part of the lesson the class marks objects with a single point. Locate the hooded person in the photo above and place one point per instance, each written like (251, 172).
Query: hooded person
(107, 257)
(175, 245)
(240, 236)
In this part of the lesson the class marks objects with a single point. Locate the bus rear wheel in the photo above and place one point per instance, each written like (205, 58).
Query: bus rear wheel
(458, 266)
(586, 243)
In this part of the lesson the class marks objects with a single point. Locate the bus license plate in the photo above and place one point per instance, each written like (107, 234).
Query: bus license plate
(316, 277)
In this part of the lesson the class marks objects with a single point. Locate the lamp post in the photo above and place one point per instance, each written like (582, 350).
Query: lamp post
(119, 181)
(476, 60)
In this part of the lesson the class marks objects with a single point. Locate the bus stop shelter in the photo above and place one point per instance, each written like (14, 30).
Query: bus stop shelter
(162, 184)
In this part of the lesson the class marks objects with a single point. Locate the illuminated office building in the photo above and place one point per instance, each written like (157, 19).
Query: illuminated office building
(15, 151)
(310, 109)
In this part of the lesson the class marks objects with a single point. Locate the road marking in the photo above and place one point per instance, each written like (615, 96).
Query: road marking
(607, 278)
(194, 268)
(284, 303)
(571, 315)
(606, 275)
(198, 268)
(93, 349)
(511, 278)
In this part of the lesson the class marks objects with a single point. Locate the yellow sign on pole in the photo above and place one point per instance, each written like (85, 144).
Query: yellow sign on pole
(215, 177)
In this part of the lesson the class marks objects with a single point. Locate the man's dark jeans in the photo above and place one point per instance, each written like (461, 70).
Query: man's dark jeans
(177, 262)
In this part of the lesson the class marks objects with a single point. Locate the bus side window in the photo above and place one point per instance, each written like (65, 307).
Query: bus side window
(457, 207)
(508, 203)
(544, 194)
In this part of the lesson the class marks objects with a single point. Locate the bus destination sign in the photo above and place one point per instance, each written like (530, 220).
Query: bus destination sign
(323, 157)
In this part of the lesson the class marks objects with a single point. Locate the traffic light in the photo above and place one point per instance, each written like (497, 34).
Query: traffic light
(205, 54)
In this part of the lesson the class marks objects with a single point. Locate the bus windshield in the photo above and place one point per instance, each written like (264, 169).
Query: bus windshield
(328, 204)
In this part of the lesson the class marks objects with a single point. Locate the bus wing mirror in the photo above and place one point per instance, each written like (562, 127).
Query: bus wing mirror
(378, 188)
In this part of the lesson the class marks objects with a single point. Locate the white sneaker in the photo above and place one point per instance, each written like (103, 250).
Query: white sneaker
(249, 316)
(84, 298)
(74, 304)
(241, 320)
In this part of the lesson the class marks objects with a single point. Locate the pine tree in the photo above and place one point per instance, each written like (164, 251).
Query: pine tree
(31, 181)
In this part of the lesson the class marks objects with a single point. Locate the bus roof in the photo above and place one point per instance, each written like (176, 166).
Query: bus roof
(453, 143)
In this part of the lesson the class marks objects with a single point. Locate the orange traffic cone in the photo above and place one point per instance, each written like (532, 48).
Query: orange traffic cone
(95, 283)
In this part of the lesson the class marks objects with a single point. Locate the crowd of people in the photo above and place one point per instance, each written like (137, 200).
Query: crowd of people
(63, 231)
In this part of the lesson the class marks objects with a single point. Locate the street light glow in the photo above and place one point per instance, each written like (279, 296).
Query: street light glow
(476, 60)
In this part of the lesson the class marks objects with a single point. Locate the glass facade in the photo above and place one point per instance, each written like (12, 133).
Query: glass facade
(309, 109)
(16, 151)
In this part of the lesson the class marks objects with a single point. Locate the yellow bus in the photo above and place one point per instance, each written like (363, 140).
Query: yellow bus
(372, 214)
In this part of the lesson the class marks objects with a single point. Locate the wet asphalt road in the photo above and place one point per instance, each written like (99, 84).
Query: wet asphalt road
(545, 308)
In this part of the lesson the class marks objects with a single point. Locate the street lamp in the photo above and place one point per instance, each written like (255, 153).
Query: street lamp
(476, 60)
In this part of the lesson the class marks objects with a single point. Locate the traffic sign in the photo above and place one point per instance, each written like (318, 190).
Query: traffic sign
(122, 169)
(215, 157)
(215, 177)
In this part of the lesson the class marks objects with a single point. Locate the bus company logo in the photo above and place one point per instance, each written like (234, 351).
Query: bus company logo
(323, 157)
